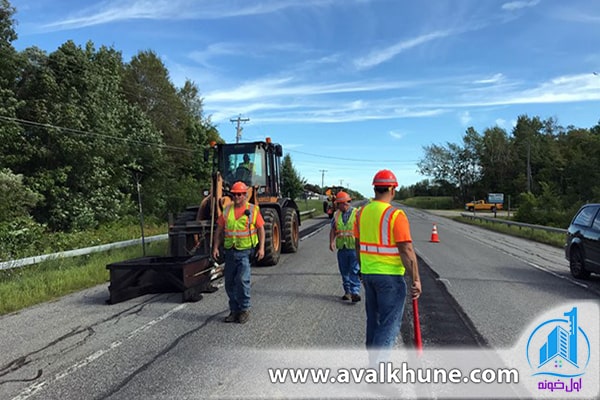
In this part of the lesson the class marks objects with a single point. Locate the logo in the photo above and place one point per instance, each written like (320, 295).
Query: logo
(558, 352)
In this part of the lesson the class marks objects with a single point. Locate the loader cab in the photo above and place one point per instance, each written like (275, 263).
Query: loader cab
(256, 164)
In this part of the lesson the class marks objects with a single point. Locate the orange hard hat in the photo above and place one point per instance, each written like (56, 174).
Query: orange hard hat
(385, 177)
(342, 197)
(239, 187)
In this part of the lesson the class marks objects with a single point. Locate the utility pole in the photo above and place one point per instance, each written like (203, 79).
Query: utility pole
(323, 180)
(341, 182)
(238, 129)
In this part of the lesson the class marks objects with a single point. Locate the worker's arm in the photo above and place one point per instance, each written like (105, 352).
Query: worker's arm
(261, 243)
(409, 259)
(217, 242)
(357, 246)
(332, 234)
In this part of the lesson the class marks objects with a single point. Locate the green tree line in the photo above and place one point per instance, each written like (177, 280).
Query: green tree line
(548, 170)
(79, 129)
(76, 126)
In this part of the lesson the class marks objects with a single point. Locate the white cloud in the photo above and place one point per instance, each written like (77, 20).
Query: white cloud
(501, 122)
(380, 56)
(397, 135)
(117, 10)
(494, 79)
(517, 5)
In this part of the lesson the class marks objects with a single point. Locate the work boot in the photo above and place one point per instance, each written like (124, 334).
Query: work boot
(347, 296)
(232, 317)
(243, 317)
(355, 298)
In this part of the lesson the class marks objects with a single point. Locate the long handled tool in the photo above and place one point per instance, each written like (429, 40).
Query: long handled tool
(417, 325)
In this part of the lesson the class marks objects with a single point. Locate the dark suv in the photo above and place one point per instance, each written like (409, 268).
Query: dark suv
(583, 242)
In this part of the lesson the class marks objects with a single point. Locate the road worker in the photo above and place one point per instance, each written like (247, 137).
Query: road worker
(385, 251)
(341, 236)
(241, 230)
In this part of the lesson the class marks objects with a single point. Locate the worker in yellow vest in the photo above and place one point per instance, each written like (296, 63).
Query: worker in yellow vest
(385, 251)
(341, 237)
(241, 231)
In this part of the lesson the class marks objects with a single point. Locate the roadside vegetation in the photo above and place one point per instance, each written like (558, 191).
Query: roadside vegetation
(550, 238)
(38, 283)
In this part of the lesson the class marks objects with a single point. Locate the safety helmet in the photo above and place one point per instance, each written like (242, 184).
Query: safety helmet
(342, 197)
(239, 187)
(384, 178)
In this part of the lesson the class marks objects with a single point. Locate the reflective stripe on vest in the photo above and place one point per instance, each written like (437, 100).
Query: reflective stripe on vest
(344, 233)
(241, 233)
(379, 253)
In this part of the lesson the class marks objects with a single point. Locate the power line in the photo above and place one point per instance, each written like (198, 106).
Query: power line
(100, 135)
(351, 159)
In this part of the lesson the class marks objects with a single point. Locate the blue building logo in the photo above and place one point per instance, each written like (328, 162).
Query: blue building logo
(559, 348)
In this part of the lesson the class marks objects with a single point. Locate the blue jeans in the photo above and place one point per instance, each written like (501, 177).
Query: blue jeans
(349, 268)
(385, 296)
(237, 278)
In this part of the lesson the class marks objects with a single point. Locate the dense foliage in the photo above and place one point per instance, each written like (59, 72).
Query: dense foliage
(80, 128)
(546, 170)
(292, 185)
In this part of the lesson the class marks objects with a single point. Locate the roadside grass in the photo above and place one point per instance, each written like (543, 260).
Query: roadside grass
(430, 202)
(306, 205)
(550, 238)
(26, 286)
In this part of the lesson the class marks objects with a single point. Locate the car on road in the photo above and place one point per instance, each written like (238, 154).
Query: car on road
(582, 247)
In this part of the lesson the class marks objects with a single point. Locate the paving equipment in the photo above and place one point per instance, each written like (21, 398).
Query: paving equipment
(189, 267)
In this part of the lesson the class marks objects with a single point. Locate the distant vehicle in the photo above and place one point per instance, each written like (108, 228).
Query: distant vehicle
(481, 205)
(582, 247)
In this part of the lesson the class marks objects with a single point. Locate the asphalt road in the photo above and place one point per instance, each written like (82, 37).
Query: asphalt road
(480, 289)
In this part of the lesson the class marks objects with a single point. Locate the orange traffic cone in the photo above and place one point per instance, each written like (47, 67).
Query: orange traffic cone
(434, 235)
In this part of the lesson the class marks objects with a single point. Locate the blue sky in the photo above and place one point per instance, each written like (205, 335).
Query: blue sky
(352, 86)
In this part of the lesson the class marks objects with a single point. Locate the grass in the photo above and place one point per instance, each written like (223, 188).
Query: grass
(430, 202)
(550, 238)
(34, 284)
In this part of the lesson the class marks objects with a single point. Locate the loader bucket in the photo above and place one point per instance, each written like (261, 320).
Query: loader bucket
(140, 276)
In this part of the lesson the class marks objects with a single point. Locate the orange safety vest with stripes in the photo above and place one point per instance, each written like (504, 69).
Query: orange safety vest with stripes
(379, 253)
(344, 233)
(241, 233)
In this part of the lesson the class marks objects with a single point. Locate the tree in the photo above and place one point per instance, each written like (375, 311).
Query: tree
(17, 199)
(454, 164)
(292, 184)
(9, 67)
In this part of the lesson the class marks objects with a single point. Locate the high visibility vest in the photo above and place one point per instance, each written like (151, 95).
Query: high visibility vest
(241, 233)
(379, 253)
(344, 233)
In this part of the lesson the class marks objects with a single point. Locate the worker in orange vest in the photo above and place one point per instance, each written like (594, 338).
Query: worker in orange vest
(241, 230)
(341, 237)
(385, 252)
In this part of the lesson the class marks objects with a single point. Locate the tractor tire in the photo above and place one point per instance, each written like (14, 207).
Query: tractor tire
(272, 238)
(291, 236)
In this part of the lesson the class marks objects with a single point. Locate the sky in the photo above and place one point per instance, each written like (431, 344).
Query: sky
(350, 87)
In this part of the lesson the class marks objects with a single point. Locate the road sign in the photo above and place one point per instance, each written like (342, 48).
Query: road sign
(495, 198)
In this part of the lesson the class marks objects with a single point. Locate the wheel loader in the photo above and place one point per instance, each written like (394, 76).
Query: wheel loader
(189, 267)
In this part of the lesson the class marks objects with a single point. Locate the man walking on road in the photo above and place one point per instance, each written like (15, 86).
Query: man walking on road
(384, 249)
(341, 237)
(240, 229)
